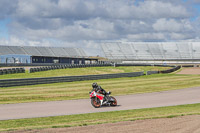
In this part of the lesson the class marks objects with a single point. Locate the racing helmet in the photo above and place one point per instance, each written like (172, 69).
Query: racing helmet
(94, 85)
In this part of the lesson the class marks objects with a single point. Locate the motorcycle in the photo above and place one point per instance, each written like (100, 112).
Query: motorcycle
(98, 100)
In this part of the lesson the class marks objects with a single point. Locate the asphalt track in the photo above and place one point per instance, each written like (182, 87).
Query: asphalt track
(69, 107)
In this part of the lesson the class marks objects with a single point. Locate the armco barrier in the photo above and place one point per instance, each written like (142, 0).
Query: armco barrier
(170, 70)
(34, 81)
(152, 72)
(189, 65)
(164, 71)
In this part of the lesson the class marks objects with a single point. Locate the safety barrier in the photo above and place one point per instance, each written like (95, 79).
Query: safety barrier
(39, 69)
(175, 68)
(12, 71)
(35, 81)
(170, 70)
(152, 72)
(190, 65)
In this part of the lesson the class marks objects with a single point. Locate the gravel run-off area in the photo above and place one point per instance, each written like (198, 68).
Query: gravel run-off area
(183, 124)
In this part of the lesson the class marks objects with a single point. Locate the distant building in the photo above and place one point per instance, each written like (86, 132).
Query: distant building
(29, 54)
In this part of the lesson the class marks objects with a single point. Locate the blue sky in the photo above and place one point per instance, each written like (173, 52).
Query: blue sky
(84, 24)
(4, 28)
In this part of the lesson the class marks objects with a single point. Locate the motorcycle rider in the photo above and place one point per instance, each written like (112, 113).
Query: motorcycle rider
(97, 88)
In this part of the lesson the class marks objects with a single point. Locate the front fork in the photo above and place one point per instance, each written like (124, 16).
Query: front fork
(101, 102)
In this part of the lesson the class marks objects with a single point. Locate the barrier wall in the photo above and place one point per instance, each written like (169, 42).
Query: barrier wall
(152, 72)
(34, 81)
(170, 70)
(164, 71)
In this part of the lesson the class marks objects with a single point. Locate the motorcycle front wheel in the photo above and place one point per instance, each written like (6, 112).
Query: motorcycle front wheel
(114, 103)
(95, 102)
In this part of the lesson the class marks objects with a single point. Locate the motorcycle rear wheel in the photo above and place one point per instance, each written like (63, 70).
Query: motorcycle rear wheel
(113, 103)
(95, 102)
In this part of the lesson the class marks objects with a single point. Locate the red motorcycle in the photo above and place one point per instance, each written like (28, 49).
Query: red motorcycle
(98, 100)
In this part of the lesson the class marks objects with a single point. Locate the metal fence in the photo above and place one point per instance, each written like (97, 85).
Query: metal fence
(34, 81)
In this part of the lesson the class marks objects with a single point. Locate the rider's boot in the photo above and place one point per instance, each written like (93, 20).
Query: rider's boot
(105, 100)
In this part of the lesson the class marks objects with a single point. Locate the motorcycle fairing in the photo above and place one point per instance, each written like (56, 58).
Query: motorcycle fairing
(99, 96)
(92, 94)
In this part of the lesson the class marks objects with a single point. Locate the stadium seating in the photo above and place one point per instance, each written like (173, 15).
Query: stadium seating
(32, 51)
(151, 50)
(5, 50)
(42, 51)
(45, 51)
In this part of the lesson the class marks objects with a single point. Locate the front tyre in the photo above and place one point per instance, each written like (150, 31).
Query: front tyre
(95, 102)
(114, 102)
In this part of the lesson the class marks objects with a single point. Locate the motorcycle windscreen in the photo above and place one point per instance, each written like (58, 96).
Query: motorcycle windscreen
(92, 94)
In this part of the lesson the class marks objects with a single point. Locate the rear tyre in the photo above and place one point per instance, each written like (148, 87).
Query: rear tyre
(96, 102)
(113, 103)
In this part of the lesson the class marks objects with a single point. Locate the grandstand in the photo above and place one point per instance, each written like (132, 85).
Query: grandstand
(30, 54)
(42, 51)
(152, 52)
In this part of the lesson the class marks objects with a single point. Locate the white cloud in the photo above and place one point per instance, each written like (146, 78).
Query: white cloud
(170, 25)
(79, 23)
(146, 36)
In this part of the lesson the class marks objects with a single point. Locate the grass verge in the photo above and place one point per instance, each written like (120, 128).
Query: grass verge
(83, 71)
(79, 90)
(99, 118)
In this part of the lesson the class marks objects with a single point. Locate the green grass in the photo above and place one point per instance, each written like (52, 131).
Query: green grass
(98, 118)
(79, 90)
(83, 71)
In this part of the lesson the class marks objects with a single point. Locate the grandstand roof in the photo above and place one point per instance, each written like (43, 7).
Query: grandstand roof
(42, 51)
(151, 50)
